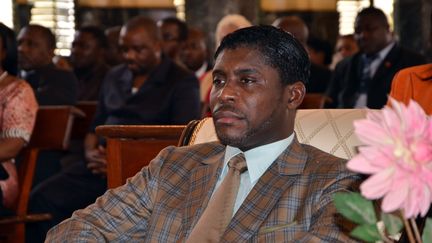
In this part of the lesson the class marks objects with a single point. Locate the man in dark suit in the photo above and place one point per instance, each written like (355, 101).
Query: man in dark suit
(52, 86)
(364, 80)
(285, 192)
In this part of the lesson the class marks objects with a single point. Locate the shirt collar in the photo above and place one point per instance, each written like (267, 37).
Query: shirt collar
(260, 158)
(384, 52)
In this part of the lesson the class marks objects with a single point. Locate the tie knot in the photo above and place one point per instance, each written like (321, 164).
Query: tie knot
(238, 163)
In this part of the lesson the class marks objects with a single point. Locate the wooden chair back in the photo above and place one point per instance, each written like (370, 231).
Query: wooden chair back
(131, 147)
(314, 101)
(52, 131)
(81, 124)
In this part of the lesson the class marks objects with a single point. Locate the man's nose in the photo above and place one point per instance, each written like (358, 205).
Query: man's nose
(228, 92)
(129, 55)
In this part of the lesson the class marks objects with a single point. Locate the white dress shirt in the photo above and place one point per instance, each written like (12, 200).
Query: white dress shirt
(258, 160)
(374, 65)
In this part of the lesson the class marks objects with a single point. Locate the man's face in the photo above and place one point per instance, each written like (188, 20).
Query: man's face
(140, 52)
(194, 52)
(371, 34)
(346, 47)
(33, 49)
(170, 39)
(248, 100)
(86, 51)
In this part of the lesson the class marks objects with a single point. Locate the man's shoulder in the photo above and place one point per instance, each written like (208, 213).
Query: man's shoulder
(52, 72)
(407, 55)
(183, 160)
(117, 70)
(198, 152)
(420, 70)
(179, 73)
(321, 161)
(347, 62)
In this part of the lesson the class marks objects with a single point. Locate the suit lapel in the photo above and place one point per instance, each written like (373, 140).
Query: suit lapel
(385, 65)
(202, 182)
(266, 193)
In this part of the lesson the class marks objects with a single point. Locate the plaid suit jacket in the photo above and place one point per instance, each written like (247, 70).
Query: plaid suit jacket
(292, 201)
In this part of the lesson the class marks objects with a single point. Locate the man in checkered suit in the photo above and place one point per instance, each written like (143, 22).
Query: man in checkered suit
(286, 193)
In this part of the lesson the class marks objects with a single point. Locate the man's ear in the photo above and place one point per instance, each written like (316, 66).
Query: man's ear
(295, 93)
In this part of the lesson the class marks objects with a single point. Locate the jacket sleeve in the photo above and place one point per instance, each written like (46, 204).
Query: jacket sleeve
(58, 89)
(327, 225)
(121, 214)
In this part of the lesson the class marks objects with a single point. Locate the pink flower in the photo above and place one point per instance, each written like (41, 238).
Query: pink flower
(398, 156)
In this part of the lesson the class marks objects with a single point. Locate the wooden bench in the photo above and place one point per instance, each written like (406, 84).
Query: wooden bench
(52, 131)
(131, 147)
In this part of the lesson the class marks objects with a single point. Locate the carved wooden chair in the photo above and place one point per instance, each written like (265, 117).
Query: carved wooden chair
(52, 131)
(131, 147)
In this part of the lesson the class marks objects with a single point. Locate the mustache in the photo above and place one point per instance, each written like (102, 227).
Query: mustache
(223, 107)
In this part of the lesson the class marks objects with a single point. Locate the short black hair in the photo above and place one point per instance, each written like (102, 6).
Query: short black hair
(375, 12)
(280, 50)
(97, 33)
(9, 45)
(46, 34)
(181, 25)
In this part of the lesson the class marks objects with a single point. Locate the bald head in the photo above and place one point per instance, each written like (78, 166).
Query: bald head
(140, 45)
(229, 24)
(141, 22)
(295, 25)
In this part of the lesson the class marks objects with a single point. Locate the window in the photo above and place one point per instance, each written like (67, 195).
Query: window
(6, 13)
(58, 15)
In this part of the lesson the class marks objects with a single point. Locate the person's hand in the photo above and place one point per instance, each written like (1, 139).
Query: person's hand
(96, 161)
(9, 187)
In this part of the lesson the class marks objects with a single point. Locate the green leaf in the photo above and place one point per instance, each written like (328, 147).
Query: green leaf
(366, 232)
(355, 207)
(393, 224)
(427, 231)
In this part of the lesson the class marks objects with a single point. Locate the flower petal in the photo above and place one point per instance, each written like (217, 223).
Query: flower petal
(395, 198)
(377, 185)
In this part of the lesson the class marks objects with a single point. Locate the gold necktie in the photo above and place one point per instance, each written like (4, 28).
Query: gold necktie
(218, 213)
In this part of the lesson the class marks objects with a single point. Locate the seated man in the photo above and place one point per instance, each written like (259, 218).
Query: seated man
(88, 62)
(147, 89)
(52, 86)
(257, 184)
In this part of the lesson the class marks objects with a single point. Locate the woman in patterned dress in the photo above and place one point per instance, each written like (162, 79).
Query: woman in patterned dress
(18, 107)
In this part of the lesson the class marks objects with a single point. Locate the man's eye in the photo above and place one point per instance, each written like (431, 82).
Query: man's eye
(217, 81)
(247, 80)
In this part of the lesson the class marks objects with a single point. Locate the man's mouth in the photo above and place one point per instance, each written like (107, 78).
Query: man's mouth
(226, 117)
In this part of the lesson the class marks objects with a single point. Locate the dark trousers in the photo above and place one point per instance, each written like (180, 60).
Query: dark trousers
(75, 187)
